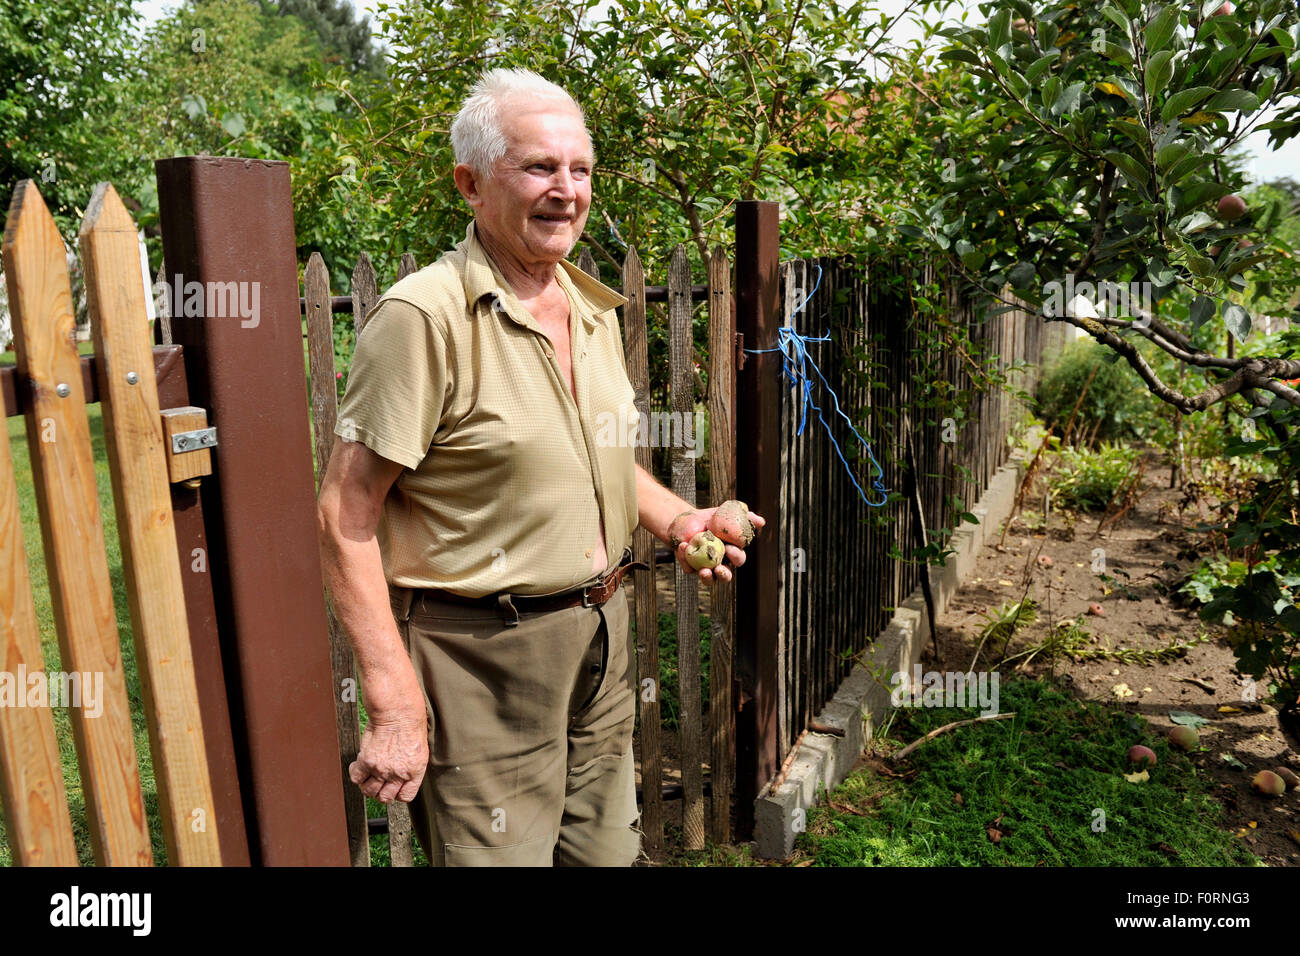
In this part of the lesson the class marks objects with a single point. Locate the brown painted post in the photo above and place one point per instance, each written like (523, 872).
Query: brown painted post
(758, 420)
(200, 612)
(230, 220)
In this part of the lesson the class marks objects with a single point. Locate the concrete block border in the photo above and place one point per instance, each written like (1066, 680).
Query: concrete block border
(822, 761)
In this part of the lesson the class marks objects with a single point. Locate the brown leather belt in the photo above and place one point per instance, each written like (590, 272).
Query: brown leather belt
(591, 595)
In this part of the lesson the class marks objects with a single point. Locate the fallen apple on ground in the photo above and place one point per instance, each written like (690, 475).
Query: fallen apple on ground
(1269, 784)
(1139, 754)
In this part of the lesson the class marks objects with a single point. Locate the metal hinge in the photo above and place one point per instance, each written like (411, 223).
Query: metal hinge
(194, 441)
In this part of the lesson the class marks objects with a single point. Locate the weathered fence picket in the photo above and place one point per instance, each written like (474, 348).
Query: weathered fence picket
(134, 433)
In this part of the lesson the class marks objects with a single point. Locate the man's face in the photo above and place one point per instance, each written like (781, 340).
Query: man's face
(536, 201)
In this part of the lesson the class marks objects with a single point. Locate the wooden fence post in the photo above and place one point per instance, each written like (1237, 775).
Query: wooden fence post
(248, 370)
(722, 486)
(324, 405)
(680, 359)
(758, 427)
(635, 343)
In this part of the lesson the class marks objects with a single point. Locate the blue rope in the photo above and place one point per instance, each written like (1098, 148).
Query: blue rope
(795, 358)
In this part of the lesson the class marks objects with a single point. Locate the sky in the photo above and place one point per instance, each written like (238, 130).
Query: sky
(1265, 164)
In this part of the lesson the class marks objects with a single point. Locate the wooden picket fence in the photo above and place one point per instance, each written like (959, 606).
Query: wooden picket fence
(52, 384)
(848, 580)
(699, 751)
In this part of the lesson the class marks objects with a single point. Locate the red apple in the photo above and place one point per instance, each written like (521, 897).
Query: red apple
(1223, 11)
(1231, 207)
(1139, 754)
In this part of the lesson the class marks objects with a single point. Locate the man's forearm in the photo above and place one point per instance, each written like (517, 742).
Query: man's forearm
(354, 574)
(656, 505)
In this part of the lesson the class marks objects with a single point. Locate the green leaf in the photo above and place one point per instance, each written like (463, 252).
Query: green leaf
(1199, 312)
(1051, 90)
(1168, 155)
(1237, 320)
(1068, 101)
(1184, 100)
(1116, 16)
(1228, 758)
(971, 257)
(1240, 100)
(194, 106)
(1039, 66)
(1130, 167)
(233, 124)
(1000, 27)
(1161, 28)
(1022, 274)
(1159, 69)
(1187, 719)
(960, 56)
(1196, 222)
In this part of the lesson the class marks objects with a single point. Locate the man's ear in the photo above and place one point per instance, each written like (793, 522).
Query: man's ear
(467, 182)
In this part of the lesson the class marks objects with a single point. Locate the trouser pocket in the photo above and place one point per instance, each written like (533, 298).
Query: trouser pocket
(591, 674)
(538, 851)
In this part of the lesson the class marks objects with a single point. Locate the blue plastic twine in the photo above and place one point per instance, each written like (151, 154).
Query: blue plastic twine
(795, 359)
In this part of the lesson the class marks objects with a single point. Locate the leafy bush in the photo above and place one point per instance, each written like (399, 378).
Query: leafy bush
(1091, 480)
(1117, 403)
(1257, 595)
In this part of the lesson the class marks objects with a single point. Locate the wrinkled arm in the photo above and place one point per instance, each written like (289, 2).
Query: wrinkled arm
(348, 509)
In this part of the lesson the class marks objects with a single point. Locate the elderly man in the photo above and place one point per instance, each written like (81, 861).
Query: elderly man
(469, 513)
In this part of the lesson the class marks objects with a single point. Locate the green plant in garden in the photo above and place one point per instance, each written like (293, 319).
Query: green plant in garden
(1115, 406)
(1099, 144)
(1090, 480)
(1257, 595)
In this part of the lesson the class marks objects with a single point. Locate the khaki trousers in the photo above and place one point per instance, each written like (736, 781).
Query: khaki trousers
(530, 733)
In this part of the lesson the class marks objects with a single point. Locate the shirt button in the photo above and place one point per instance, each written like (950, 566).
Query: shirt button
(589, 552)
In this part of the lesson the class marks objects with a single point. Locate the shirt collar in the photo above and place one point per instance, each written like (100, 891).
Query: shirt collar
(481, 278)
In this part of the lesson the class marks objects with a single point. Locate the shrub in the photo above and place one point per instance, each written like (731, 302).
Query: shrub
(1089, 480)
(1117, 403)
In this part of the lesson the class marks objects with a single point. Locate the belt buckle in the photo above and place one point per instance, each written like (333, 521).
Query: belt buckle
(586, 595)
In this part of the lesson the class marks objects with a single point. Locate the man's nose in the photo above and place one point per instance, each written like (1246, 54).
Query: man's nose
(562, 183)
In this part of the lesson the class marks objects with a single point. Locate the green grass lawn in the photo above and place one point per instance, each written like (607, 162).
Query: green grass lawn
(1044, 780)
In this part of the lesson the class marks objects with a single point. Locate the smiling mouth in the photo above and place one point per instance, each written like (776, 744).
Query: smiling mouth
(553, 217)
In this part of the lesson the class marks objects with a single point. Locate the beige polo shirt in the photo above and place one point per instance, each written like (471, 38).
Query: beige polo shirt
(506, 478)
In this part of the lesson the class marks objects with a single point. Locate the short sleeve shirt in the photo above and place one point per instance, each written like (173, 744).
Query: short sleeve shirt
(506, 477)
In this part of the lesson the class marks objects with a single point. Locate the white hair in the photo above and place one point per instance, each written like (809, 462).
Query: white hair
(476, 135)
